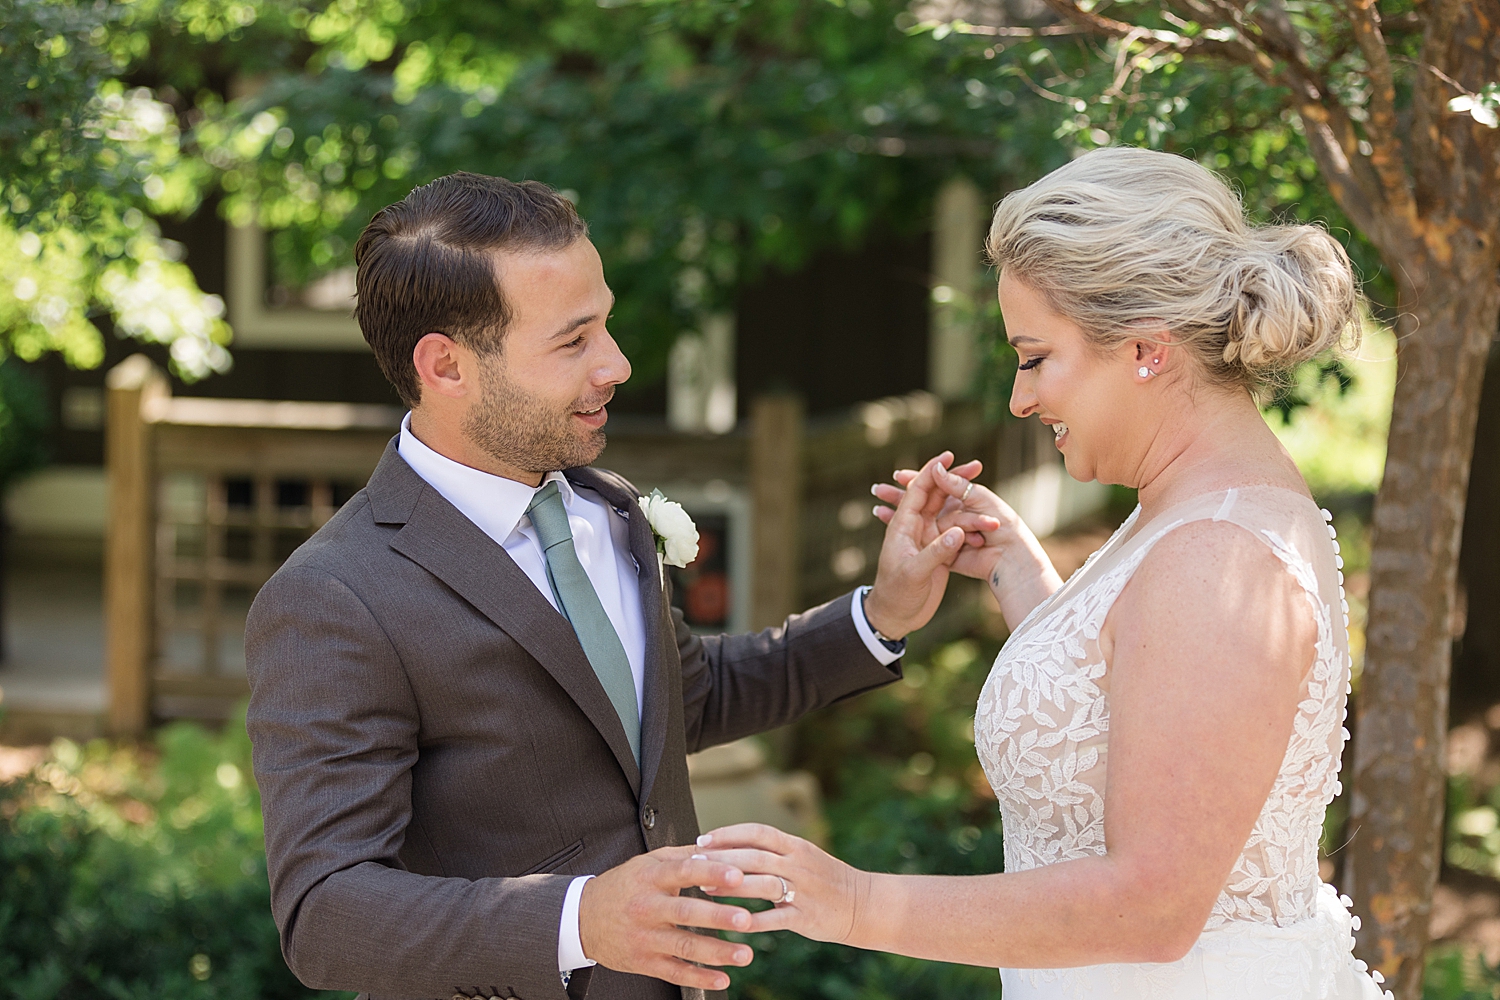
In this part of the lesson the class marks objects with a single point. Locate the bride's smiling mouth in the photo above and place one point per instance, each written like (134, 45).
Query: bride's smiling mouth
(1059, 431)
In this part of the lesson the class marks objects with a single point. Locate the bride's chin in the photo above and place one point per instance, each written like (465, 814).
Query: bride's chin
(1075, 468)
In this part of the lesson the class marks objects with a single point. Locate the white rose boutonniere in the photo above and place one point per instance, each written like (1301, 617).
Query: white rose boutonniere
(676, 534)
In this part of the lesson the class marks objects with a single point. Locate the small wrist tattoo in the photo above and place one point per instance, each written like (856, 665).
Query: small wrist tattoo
(995, 577)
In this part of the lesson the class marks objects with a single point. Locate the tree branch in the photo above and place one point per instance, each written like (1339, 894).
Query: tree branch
(1386, 154)
(1008, 31)
(1429, 102)
(1098, 24)
(1268, 44)
(1231, 47)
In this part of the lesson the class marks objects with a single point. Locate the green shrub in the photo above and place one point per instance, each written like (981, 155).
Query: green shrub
(1454, 974)
(138, 873)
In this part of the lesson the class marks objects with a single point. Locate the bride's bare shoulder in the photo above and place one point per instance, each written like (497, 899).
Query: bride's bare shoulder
(1209, 586)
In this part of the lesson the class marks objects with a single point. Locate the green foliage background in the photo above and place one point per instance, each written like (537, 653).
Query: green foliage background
(705, 140)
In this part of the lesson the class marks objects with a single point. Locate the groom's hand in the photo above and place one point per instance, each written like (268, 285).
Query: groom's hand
(631, 919)
(916, 556)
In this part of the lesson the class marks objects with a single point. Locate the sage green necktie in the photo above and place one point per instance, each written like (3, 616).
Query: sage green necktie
(579, 603)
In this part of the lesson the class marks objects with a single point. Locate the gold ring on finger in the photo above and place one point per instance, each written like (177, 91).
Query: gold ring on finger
(967, 490)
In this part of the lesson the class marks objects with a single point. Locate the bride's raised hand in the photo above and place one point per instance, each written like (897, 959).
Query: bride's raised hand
(816, 894)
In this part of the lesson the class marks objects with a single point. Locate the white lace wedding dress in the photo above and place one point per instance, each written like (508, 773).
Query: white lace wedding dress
(1277, 932)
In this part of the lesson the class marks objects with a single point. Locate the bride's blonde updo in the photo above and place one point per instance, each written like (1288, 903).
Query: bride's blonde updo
(1124, 241)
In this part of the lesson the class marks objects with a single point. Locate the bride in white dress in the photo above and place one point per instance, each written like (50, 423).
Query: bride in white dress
(1163, 731)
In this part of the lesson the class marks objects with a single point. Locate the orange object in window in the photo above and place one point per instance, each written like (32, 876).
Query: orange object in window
(707, 599)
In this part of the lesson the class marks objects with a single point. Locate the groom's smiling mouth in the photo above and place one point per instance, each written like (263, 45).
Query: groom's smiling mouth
(595, 418)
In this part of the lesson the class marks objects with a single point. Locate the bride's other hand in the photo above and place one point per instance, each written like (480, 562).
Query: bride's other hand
(999, 548)
(823, 895)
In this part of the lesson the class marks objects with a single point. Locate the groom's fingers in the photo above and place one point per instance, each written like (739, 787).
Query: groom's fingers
(681, 973)
(700, 948)
(678, 956)
(922, 497)
(920, 494)
(696, 870)
(630, 918)
(939, 553)
(689, 911)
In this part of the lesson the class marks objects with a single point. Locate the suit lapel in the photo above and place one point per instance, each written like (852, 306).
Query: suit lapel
(450, 547)
(658, 659)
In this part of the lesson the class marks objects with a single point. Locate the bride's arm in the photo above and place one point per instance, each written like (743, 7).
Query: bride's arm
(1207, 647)
(1008, 557)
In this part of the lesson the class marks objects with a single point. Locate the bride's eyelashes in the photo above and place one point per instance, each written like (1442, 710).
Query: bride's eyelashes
(1029, 364)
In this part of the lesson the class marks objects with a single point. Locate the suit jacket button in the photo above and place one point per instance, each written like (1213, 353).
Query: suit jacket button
(648, 817)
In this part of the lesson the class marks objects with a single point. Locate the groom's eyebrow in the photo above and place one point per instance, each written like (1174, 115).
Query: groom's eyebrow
(582, 321)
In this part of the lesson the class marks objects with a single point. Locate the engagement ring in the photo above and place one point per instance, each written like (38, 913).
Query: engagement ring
(788, 894)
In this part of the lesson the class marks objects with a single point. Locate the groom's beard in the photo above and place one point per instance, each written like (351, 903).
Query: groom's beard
(527, 433)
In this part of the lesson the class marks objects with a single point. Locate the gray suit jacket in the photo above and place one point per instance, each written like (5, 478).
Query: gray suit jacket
(438, 761)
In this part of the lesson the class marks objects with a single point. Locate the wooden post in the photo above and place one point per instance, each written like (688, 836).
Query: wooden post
(959, 218)
(776, 499)
(132, 386)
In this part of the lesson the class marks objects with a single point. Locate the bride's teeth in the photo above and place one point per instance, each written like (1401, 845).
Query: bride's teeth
(1059, 430)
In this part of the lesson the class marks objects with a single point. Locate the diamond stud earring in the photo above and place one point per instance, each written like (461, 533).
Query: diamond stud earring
(1143, 371)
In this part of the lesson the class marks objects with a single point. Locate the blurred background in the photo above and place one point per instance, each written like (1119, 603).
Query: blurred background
(790, 198)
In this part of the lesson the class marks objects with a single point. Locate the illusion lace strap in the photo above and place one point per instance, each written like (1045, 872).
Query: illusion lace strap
(1285, 522)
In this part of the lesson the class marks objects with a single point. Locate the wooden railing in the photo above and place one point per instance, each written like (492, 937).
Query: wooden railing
(209, 496)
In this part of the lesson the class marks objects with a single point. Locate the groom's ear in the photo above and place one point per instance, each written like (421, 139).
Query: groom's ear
(438, 360)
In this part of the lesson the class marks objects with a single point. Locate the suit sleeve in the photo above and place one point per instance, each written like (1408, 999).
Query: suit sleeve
(334, 727)
(738, 685)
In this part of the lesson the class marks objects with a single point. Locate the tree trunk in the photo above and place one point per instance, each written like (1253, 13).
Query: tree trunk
(1476, 663)
(1449, 310)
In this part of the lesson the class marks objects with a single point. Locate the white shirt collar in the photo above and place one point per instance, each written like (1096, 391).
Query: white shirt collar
(495, 504)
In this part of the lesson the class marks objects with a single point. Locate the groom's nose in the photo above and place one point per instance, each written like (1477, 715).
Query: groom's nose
(611, 367)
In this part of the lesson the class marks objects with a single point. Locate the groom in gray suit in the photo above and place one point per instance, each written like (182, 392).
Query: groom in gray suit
(471, 697)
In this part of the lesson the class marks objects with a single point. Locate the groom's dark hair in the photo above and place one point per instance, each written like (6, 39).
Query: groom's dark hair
(425, 264)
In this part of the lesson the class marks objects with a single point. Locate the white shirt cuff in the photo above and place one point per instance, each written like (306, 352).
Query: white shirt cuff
(862, 625)
(569, 944)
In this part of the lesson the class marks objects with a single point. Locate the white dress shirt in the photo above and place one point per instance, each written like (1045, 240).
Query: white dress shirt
(497, 506)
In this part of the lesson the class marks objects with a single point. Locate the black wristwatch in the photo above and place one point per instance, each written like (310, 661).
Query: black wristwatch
(897, 646)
